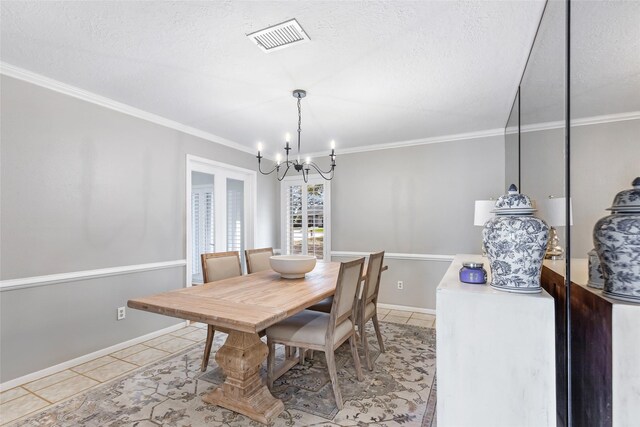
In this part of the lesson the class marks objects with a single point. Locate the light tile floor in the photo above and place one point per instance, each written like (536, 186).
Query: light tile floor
(22, 401)
(407, 317)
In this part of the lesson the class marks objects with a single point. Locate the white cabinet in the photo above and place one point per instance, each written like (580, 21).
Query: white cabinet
(495, 354)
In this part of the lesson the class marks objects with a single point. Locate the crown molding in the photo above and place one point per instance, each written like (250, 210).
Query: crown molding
(584, 121)
(66, 89)
(607, 118)
(49, 83)
(413, 142)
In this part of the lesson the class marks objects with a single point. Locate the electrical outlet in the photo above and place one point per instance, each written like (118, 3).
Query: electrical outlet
(400, 284)
(121, 313)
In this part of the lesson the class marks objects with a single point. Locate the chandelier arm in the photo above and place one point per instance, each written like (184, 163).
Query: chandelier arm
(285, 172)
(322, 173)
(266, 173)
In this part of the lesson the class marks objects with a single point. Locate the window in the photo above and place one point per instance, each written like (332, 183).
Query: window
(306, 227)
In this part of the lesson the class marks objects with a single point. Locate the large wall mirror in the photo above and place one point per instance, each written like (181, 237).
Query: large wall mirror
(542, 112)
(604, 158)
(585, 62)
(512, 145)
(605, 110)
(537, 127)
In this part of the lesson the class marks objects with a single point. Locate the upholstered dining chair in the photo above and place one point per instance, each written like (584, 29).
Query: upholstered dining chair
(217, 266)
(323, 331)
(368, 302)
(323, 306)
(258, 259)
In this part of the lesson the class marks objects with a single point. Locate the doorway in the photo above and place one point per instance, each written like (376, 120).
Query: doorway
(220, 211)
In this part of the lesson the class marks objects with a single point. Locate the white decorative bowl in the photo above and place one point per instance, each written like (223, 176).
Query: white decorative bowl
(293, 266)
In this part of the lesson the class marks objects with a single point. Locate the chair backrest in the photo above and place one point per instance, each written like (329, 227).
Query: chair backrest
(372, 280)
(345, 297)
(220, 265)
(258, 259)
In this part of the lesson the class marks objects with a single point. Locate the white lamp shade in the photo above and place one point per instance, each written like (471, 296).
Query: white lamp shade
(553, 211)
(483, 212)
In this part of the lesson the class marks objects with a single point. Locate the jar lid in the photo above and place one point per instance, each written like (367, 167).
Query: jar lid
(628, 200)
(472, 264)
(513, 202)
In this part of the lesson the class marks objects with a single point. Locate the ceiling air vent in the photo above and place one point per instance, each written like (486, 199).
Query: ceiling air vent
(279, 36)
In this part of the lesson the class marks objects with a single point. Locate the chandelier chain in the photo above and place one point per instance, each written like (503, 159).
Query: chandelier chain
(299, 123)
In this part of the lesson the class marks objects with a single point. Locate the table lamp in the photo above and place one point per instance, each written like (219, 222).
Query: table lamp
(482, 214)
(553, 211)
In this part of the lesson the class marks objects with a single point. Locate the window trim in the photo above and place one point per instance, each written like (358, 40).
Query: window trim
(297, 180)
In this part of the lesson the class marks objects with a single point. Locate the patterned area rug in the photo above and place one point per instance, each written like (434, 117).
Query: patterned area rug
(399, 391)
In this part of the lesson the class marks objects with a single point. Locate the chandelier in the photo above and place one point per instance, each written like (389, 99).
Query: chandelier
(299, 166)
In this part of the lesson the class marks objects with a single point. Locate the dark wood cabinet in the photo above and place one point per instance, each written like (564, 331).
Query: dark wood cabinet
(591, 347)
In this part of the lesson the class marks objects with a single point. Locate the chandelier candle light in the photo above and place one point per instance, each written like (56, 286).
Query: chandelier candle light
(305, 167)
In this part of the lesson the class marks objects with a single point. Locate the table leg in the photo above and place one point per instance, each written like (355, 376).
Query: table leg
(243, 391)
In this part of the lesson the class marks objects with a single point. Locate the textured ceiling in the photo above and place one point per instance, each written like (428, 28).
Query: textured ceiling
(605, 57)
(376, 72)
(605, 62)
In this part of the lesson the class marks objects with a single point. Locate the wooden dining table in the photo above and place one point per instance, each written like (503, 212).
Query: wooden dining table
(244, 306)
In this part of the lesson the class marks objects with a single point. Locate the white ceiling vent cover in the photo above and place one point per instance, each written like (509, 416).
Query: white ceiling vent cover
(279, 36)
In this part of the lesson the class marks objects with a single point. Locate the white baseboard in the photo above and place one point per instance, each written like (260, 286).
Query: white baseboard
(86, 358)
(407, 308)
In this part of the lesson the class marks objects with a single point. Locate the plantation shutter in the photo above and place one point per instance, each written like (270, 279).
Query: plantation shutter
(305, 222)
(294, 220)
(235, 215)
(202, 224)
(315, 220)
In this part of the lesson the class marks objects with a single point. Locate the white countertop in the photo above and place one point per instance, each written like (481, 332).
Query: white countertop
(451, 281)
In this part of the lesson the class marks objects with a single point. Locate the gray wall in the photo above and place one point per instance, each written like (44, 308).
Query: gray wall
(605, 158)
(417, 200)
(84, 187)
(542, 167)
(542, 163)
(511, 157)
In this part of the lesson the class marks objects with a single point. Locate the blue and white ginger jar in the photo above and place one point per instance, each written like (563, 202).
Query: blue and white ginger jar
(516, 242)
(596, 278)
(617, 241)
